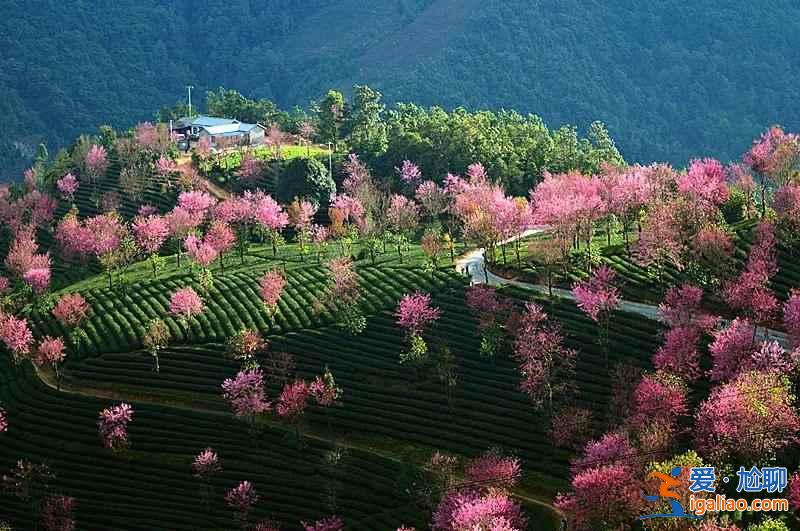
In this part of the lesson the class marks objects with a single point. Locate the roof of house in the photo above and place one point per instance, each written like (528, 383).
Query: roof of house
(217, 126)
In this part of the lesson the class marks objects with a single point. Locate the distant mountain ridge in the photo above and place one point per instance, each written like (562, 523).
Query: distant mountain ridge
(672, 80)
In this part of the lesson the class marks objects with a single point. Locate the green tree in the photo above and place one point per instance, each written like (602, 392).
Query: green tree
(330, 114)
(305, 178)
(367, 130)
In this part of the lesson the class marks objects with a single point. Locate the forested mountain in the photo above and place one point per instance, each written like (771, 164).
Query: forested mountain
(671, 79)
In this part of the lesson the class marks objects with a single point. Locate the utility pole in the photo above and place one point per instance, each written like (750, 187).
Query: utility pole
(330, 159)
(189, 88)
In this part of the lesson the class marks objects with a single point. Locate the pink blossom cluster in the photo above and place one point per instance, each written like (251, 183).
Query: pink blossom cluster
(146, 134)
(750, 290)
(196, 202)
(200, 250)
(465, 510)
(750, 417)
(3, 420)
(409, 172)
(112, 425)
(293, 399)
(350, 208)
(682, 312)
(67, 185)
(791, 317)
(96, 160)
(604, 496)
(571, 427)
(658, 400)
(415, 313)
(356, 173)
(301, 213)
(545, 364)
(773, 153)
(250, 168)
(206, 464)
(267, 212)
(71, 309)
(245, 393)
(185, 304)
(494, 470)
(794, 491)
(270, 287)
(345, 279)
(613, 448)
(434, 199)
(403, 213)
(705, 182)
(242, 498)
(151, 232)
(165, 166)
(16, 335)
(598, 296)
(50, 351)
(38, 279)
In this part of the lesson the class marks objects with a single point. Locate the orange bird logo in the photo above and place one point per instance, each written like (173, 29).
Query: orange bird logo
(667, 484)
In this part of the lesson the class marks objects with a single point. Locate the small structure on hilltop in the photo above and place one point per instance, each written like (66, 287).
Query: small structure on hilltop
(221, 132)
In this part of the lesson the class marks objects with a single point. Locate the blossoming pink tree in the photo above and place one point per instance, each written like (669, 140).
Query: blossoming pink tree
(414, 313)
(545, 364)
(51, 352)
(606, 496)
(478, 509)
(16, 335)
(270, 217)
(750, 291)
(345, 293)
(270, 287)
(96, 163)
(151, 232)
(241, 499)
(245, 394)
(403, 217)
(749, 419)
(205, 466)
(112, 426)
(773, 157)
(185, 304)
(681, 311)
(155, 338)
(67, 185)
(598, 297)
(658, 403)
(292, 404)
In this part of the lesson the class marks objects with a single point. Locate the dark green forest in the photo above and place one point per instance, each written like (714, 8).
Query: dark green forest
(670, 79)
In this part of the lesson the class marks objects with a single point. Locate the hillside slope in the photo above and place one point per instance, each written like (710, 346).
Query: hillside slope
(671, 79)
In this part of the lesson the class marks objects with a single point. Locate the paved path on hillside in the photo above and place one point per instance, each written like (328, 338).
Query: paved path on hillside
(474, 264)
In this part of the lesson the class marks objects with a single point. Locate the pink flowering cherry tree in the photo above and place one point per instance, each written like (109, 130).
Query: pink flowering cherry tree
(546, 366)
(414, 313)
(112, 426)
(270, 287)
(16, 335)
(205, 466)
(245, 394)
(185, 304)
(67, 186)
(598, 297)
(150, 233)
(332, 523)
(345, 293)
(51, 352)
(748, 419)
(241, 499)
(292, 403)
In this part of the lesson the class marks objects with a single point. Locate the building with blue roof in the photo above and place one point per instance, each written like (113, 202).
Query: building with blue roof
(221, 132)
